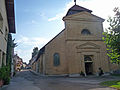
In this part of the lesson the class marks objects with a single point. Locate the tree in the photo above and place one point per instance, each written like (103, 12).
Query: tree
(35, 51)
(5, 71)
(9, 50)
(112, 37)
(10, 46)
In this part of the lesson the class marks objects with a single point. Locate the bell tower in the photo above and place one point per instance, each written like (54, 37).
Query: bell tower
(81, 24)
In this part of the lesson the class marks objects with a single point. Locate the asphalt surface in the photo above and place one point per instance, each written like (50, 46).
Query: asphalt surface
(27, 80)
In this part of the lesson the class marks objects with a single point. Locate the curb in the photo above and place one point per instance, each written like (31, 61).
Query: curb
(35, 73)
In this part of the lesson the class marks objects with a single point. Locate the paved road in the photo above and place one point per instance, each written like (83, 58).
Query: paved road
(27, 80)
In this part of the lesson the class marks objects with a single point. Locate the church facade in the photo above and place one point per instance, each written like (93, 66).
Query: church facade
(78, 48)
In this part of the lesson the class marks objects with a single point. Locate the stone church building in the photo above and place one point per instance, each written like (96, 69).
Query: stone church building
(78, 48)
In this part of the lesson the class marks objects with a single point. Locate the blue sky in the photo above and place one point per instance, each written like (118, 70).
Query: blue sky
(38, 21)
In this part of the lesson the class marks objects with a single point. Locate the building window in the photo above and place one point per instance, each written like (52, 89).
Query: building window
(85, 32)
(87, 58)
(1, 23)
(56, 60)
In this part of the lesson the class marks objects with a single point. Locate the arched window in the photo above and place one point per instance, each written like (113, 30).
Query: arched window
(87, 58)
(56, 59)
(85, 32)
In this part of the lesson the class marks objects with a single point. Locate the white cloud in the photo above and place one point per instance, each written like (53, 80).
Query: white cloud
(26, 45)
(34, 22)
(42, 15)
(34, 41)
(102, 8)
(60, 15)
(24, 54)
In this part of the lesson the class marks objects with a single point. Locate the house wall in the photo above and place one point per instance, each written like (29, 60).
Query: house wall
(41, 64)
(3, 32)
(34, 66)
(114, 66)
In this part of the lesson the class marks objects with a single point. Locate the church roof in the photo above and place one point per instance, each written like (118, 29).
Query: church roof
(76, 9)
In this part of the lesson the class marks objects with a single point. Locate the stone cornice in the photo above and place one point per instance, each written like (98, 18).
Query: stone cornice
(88, 45)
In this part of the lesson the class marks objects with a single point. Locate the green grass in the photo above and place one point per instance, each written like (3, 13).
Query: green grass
(114, 84)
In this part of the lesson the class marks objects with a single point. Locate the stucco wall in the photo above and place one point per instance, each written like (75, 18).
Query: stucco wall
(4, 30)
(76, 56)
(84, 20)
(56, 46)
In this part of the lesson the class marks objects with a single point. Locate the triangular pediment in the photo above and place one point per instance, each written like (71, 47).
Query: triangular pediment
(83, 16)
(88, 45)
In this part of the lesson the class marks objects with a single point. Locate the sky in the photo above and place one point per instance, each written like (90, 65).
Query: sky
(38, 21)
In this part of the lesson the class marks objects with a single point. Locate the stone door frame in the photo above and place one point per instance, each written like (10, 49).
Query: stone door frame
(89, 64)
(89, 48)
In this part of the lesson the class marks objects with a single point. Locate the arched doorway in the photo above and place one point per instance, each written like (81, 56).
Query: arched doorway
(88, 64)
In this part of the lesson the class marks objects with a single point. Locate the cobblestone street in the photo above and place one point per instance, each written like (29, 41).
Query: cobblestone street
(27, 80)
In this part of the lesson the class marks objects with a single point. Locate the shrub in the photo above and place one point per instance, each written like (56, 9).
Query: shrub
(5, 74)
